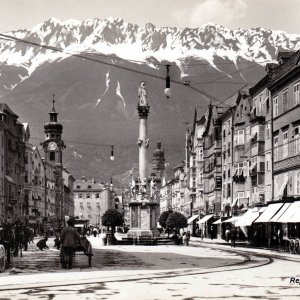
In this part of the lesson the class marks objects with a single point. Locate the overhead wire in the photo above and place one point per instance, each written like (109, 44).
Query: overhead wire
(83, 54)
(80, 55)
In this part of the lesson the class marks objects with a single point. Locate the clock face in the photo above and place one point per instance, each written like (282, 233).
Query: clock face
(52, 146)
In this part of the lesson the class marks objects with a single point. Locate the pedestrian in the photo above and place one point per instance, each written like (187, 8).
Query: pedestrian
(233, 236)
(95, 231)
(227, 233)
(280, 236)
(211, 231)
(188, 237)
(26, 238)
(201, 234)
(31, 235)
(70, 239)
(57, 242)
(184, 238)
(42, 244)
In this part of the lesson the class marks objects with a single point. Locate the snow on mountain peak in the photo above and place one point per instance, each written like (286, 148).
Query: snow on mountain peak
(129, 41)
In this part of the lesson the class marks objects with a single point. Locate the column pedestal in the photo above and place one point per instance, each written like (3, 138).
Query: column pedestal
(143, 219)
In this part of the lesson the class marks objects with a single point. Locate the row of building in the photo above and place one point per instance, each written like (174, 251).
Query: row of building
(34, 186)
(246, 155)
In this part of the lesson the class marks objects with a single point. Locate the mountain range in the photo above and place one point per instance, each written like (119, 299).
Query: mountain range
(94, 68)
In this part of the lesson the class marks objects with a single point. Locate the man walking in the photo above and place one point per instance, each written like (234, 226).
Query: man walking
(69, 240)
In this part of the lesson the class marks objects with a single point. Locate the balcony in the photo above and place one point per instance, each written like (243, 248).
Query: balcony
(193, 170)
(239, 147)
(254, 118)
(239, 177)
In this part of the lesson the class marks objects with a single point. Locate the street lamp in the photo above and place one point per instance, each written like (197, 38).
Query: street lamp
(168, 83)
(112, 157)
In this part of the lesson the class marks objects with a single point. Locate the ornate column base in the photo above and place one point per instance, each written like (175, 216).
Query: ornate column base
(143, 219)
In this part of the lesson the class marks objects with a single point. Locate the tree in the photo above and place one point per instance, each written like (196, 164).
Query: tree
(176, 221)
(163, 218)
(112, 218)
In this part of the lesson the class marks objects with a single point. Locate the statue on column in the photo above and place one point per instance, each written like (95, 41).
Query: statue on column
(152, 188)
(142, 93)
(143, 187)
(132, 187)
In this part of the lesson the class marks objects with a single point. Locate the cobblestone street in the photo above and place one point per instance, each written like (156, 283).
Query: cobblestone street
(162, 272)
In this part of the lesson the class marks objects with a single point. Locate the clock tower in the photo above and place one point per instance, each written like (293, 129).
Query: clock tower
(53, 144)
(53, 147)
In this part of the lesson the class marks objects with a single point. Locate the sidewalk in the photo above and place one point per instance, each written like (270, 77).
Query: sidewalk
(244, 246)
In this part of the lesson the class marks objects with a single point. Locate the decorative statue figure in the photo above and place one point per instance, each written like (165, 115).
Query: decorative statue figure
(143, 94)
(143, 187)
(132, 187)
(152, 188)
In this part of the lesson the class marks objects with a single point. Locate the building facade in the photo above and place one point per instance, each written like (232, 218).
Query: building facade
(286, 127)
(91, 200)
(14, 164)
(226, 121)
(212, 162)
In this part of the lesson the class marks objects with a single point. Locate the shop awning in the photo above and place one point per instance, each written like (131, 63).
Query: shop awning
(218, 222)
(280, 212)
(291, 214)
(9, 179)
(192, 219)
(296, 216)
(205, 219)
(285, 181)
(232, 219)
(270, 211)
(248, 218)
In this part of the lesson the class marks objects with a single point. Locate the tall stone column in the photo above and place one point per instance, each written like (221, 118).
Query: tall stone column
(143, 207)
(143, 141)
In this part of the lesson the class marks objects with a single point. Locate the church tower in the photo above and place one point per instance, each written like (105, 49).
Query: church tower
(53, 148)
(53, 144)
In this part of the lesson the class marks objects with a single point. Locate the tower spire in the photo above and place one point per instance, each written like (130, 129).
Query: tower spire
(53, 114)
(53, 102)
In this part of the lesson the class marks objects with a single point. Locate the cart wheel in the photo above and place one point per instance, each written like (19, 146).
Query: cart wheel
(2, 259)
(90, 260)
(292, 246)
(297, 246)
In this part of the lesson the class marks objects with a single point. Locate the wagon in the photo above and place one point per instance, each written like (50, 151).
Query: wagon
(2, 258)
(84, 247)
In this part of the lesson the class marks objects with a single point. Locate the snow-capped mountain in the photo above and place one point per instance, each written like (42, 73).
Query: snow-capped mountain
(131, 42)
(96, 99)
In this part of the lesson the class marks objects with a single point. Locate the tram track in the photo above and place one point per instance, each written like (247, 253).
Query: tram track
(250, 260)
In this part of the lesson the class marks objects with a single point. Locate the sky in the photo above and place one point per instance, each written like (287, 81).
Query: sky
(234, 14)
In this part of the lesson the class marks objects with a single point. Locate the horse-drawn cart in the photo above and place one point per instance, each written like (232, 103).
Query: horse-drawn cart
(84, 246)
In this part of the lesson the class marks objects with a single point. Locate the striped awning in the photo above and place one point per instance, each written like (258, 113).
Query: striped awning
(268, 214)
(192, 219)
(205, 219)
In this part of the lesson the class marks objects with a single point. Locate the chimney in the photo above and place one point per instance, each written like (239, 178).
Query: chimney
(270, 67)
